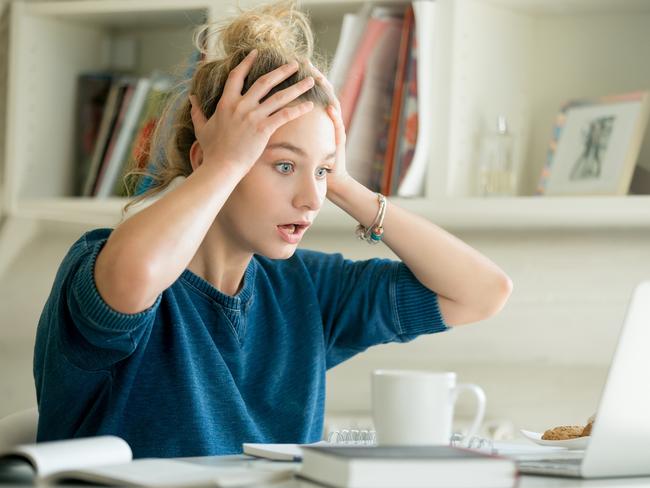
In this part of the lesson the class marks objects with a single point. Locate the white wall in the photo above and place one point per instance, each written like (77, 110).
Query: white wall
(4, 41)
(542, 361)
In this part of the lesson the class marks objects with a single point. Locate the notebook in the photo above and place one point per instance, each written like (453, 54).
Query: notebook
(276, 452)
(619, 440)
(293, 452)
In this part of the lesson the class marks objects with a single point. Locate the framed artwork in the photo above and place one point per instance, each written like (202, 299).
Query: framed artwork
(595, 146)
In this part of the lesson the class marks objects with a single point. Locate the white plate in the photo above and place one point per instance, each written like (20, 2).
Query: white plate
(577, 443)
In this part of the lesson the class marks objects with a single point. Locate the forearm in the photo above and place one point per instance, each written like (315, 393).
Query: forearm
(153, 247)
(475, 286)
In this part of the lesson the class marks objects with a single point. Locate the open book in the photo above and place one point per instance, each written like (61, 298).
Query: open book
(109, 460)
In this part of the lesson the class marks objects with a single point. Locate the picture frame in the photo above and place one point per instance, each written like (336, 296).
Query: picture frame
(595, 145)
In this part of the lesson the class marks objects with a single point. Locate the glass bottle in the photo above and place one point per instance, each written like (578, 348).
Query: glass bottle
(496, 174)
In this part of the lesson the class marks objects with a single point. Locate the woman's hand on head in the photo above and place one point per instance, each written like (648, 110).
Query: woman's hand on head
(339, 175)
(239, 130)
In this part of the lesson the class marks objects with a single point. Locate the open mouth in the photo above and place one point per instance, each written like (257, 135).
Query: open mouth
(292, 228)
(292, 232)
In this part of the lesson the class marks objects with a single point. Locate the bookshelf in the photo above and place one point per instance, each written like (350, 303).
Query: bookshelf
(529, 213)
(521, 58)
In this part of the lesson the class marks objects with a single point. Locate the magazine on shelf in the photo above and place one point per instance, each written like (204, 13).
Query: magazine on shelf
(371, 115)
(129, 116)
(92, 93)
(406, 124)
(115, 133)
(137, 155)
(382, 108)
(387, 145)
(108, 460)
(352, 29)
(124, 134)
(350, 91)
(109, 119)
(412, 184)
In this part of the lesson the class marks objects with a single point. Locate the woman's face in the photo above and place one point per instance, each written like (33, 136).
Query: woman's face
(286, 186)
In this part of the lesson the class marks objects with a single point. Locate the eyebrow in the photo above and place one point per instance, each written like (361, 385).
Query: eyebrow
(295, 149)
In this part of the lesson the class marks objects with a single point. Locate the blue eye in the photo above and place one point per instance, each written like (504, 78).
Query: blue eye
(284, 168)
(322, 172)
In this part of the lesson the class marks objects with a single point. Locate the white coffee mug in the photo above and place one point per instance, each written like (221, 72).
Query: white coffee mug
(417, 407)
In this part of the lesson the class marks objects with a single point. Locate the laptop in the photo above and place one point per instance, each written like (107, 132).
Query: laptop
(620, 439)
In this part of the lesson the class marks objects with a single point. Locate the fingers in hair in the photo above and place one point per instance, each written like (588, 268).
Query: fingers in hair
(235, 82)
(324, 83)
(264, 84)
(286, 96)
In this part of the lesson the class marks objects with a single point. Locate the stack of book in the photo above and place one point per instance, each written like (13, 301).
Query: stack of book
(374, 72)
(116, 116)
(406, 467)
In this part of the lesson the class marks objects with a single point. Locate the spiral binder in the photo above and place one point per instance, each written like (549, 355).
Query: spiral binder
(477, 443)
(356, 437)
(361, 437)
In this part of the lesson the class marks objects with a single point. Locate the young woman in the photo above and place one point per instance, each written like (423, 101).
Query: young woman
(196, 324)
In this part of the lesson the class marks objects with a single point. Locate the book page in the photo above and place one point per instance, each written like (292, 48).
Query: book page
(162, 473)
(51, 457)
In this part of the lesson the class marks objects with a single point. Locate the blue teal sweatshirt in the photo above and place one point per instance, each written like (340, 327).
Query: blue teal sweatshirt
(200, 372)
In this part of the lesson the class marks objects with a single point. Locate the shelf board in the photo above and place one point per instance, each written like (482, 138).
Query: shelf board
(77, 210)
(632, 212)
(119, 13)
(574, 7)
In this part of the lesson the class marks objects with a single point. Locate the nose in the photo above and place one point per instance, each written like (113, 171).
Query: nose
(310, 193)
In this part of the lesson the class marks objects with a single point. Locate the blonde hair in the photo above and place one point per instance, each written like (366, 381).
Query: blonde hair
(279, 31)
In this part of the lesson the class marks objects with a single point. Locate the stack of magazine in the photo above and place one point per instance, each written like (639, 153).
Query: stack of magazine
(116, 116)
(376, 75)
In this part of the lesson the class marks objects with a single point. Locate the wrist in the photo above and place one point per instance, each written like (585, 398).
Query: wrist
(339, 189)
(222, 170)
(355, 199)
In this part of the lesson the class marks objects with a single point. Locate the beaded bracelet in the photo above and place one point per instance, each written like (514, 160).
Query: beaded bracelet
(375, 231)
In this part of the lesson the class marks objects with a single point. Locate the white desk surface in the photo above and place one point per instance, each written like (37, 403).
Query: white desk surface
(531, 482)
(552, 482)
(24, 477)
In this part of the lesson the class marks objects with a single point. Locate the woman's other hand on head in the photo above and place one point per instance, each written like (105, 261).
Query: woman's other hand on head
(239, 130)
(339, 173)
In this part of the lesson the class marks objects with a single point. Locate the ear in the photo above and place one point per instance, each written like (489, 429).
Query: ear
(196, 155)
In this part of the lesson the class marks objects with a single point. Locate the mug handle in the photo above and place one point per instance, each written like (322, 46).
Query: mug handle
(480, 410)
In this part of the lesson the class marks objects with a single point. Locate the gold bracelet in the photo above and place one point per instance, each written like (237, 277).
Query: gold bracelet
(375, 231)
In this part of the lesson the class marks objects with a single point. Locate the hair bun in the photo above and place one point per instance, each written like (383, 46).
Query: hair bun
(279, 28)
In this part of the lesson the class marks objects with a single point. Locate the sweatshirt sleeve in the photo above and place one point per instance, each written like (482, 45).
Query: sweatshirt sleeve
(369, 302)
(91, 334)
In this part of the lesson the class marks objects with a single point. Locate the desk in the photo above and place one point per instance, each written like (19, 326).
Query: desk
(24, 477)
(525, 482)
(529, 482)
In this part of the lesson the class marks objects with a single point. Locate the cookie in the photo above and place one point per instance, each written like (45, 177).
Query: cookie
(563, 432)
